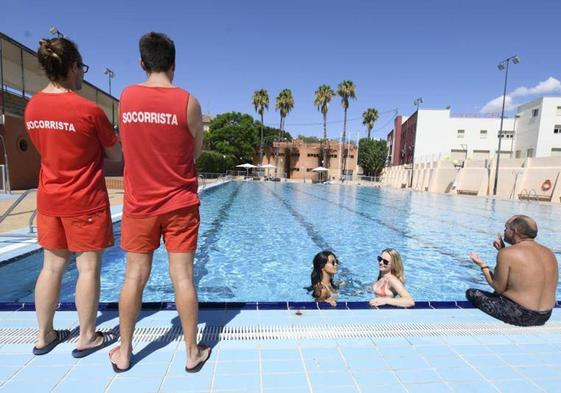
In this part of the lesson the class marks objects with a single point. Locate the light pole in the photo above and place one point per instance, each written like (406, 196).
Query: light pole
(417, 102)
(110, 75)
(501, 66)
(54, 31)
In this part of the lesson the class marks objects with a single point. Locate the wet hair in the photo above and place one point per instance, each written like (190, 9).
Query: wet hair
(397, 264)
(157, 52)
(56, 56)
(525, 226)
(320, 260)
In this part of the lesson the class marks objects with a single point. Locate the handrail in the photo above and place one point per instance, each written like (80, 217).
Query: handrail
(31, 221)
(203, 180)
(16, 203)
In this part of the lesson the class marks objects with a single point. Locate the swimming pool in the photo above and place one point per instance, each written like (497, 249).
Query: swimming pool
(257, 241)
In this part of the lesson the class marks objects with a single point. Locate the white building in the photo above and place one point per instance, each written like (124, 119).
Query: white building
(440, 136)
(538, 128)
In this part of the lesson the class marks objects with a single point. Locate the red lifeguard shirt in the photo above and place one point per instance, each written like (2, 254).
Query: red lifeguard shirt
(158, 150)
(69, 132)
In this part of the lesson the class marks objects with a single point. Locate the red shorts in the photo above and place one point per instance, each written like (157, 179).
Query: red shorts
(179, 228)
(89, 232)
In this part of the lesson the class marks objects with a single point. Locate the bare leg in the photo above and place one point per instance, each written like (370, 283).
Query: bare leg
(181, 273)
(87, 296)
(137, 274)
(47, 292)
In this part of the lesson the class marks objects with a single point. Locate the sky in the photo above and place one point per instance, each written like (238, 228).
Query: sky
(445, 52)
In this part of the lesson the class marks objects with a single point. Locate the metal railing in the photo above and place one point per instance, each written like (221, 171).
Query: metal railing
(12, 207)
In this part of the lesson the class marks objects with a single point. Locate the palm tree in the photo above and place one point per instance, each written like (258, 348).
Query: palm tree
(369, 117)
(283, 104)
(260, 102)
(323, 95)
(346, 90)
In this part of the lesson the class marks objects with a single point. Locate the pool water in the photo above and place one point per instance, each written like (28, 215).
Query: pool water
(257, 241)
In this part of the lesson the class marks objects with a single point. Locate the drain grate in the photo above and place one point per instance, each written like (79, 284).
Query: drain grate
(303, 332)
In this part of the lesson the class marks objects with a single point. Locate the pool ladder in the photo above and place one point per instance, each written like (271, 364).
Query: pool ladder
(12, 207)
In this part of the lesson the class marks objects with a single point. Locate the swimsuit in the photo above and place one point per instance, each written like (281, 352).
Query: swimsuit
(506, 310)
(380, 289)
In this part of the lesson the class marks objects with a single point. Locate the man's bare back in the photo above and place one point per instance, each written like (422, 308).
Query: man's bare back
(532, 276)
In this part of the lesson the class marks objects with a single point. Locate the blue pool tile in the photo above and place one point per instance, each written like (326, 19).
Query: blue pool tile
(504, 349)
(53, 359)
(53, 373)
(7, 371)
(414, 362)
(281, 381)
(494, 340)
(317, 344)
(550, 386)
(539, 348)
(473, 387)
(549, 358)
(397, 351)
(540, 373)
(287, 390)
(484, 360)
(280, 354)
(358, 306)
(177, 368)
(320, 353)
(391, 342)
(360, 353)
(127, 385)
(233, 355)
(28, 386)
(278, 344)
(325, 364)
(523, 359)
(339, 389)
(459, 374)
(519, 386)
(383, 389)
(375, 378)
(427, 388)
(498, 373)
(186, 383)
(232, 382)
(375, 362)
(73, 385)
(417, 376)
(355, 342)
(445, 361)
(461, 340)
(91, 371)
(527, 339)
(237, 368)
(273, 306)
(330, 378)
(282, 366)
(422, 341)
(434, 350)
(15, 359)
(16, 349)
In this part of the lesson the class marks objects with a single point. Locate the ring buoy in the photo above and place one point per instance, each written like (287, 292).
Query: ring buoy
(546, 186)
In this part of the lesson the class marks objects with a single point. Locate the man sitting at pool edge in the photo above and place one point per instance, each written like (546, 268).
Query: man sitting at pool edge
(525, 277)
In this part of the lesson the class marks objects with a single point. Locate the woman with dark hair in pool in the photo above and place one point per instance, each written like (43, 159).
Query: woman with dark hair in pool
(391, 281)
(325, 267)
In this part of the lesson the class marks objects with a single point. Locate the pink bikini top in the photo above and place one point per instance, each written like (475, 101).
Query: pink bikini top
(381, 289)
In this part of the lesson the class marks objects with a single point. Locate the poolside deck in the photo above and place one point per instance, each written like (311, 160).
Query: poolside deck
(420, 350)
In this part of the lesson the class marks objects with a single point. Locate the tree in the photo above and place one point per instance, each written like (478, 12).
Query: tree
(309, 139)
(372, 156)
(369, 117)
(346, 90)
(323, 96)
(235, 134)
(284, 104)
(215, 162)
(260, 102)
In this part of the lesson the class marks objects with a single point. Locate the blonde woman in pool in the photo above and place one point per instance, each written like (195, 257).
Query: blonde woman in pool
(389, 288)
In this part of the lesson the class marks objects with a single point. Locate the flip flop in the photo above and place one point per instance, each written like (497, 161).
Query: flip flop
(200, 365)
(114, 365)
(108, 338)
(61, 335)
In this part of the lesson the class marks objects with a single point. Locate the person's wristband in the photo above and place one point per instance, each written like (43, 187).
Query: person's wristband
(484, 267)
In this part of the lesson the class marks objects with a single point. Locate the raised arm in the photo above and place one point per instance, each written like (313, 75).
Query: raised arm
(195, 123)
(499, 278)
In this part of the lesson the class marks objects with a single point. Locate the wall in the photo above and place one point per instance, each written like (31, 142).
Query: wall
(549, 117)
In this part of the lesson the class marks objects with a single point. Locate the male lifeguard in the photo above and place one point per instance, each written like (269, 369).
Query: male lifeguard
(161, 131)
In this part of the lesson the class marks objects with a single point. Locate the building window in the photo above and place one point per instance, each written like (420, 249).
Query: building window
(557, 129)
(518, 154)
(296, 169)
(461, 133)
(559, 111)
(483, 134)
(530, 153)
(333, 156)
(556, 151)
(308, 169)
(351, 156)
(535, 112)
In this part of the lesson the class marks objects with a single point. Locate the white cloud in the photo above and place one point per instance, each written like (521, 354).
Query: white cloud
(550, 85)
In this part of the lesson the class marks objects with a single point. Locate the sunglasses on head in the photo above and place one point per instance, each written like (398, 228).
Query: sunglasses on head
(386, 262)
